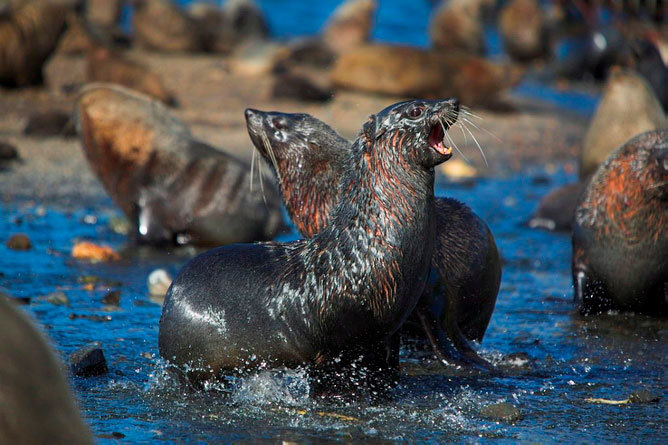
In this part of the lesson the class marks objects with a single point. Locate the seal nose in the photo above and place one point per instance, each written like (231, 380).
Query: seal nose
(250, 113)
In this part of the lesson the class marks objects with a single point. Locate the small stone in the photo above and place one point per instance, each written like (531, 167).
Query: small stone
(57, 298)
(112, 298)
(503, 411)
(158, 282)
(8, 152)
(85, 250)
(643, 396)
(119, 225)
(19, 241)
(91, 317)
(88, 361)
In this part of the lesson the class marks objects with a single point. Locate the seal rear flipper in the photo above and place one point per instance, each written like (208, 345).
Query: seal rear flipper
(453, 347)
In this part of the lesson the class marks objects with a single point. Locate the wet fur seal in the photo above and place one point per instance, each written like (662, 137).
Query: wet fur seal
(333, 302)
(309, 157)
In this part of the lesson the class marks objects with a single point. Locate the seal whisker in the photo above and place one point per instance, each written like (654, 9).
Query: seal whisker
(475, 140)
(270, 152)
(452, 142)
(482, 129)
(252, 168)
(260, 172)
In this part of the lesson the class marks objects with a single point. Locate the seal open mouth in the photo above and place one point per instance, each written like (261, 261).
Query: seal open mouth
(436, 140)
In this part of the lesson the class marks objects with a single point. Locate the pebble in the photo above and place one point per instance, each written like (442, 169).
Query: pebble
(643, 396)
(503, 411)
(88, 361)
(57, 298)
(19, 241)
(158, 282)
(119, 225)
(8, 152)
(85, 250)
(74, 316)
(112, 298)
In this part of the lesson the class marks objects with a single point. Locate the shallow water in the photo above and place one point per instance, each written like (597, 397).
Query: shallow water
(557, 358)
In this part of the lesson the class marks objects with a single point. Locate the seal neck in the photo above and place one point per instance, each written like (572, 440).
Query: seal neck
(380, 238)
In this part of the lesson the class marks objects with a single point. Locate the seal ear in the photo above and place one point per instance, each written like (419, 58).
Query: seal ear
(368, 132)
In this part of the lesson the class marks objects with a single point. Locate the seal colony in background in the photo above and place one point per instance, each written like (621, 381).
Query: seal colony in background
(333, 302)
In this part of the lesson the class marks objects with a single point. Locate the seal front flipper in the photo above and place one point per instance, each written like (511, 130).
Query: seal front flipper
(457, 352)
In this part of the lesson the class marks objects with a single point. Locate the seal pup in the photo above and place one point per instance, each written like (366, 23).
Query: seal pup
(36, 403)
(333, 302)
(309, 157)
(171, 187)
(620, 238)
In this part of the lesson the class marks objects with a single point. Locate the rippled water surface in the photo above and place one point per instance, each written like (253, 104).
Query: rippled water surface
(555, 359)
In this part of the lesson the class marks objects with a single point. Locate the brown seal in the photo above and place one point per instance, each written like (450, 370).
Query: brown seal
(28, 35)
(523, 30)
(160, 25)
(105, 65)
(457, 25)
(171, 187)
(416, 72)
(620, 238)
(36, 403)
(333, 302)
(309, 158)
(349, 25)
(628, 107)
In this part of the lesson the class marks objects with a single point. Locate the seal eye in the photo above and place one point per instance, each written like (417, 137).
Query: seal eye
(278, 123)
(415, 112)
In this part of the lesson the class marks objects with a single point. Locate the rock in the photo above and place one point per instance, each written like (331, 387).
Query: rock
(523, 30)
(456, 25)
(104, 65)
(88, 361)
(28, 35)
(556, 209)
(643, 396)
(85, 250)
(158, 282)
(57, 298)
(457, 169)
(504, 412)
(49, 123)
(112, 298)
(19, 241)
(414, 72)
(160, 25)
(350, 25)
(35, 393)
(91, 317)
(103, 13)
(8, 152)
(628, 107)
(120, 225)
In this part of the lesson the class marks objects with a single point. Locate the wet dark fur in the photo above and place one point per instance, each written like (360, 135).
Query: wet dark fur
(329, 301)
(620, 238)
(171, 187)
(310, 158)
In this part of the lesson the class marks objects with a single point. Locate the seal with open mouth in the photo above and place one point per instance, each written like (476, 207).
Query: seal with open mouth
(309, 157)
(333, 302)
(620, 238)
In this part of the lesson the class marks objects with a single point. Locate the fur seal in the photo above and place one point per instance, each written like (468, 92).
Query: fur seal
(620, 238)
(310, 158)
(160, 25)
(28, 35)
(36, 403)
(170, 186)
(349, 25)
(456, 25)
(523, 30)
(333, 302)
(416, 72)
